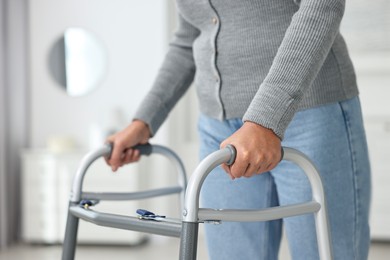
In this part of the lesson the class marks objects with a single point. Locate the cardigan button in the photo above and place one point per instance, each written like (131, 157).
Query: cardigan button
(215, 20)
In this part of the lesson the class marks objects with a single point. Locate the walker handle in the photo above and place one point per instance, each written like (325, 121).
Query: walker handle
(105, 150)
(144, 149)
(233, 154)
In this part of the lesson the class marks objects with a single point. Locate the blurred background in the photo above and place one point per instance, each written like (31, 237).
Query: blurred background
(73, 72)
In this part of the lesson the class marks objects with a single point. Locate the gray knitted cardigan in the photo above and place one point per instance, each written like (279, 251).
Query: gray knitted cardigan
(259, 60)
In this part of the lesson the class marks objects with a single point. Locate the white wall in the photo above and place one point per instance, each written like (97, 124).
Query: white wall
(135, 34)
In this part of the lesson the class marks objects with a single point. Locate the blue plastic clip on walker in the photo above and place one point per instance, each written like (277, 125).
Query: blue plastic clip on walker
(148, 215)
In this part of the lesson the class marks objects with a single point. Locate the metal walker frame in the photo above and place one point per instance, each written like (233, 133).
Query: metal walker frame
(187, 228)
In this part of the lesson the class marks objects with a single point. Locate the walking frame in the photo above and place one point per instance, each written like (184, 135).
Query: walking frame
(192, 215)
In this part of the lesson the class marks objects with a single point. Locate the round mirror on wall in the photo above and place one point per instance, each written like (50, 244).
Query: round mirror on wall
(78, 61)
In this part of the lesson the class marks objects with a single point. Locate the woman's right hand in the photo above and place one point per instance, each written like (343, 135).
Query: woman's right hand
(136, 133)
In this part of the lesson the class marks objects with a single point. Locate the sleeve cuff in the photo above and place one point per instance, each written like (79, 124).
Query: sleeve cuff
(152, 112)
(272, 108)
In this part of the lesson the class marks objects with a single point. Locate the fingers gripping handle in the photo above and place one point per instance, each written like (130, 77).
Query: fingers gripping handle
(106, 150)
(233, 152)
(145, 149)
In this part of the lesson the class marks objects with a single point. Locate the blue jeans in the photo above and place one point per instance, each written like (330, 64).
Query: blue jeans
(333, 137)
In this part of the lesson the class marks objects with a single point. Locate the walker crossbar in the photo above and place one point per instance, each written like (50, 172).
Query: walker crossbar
(242, 215)
(131, 195)
(166, 228)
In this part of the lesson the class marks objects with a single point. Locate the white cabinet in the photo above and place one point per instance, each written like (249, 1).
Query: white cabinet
(46, 184)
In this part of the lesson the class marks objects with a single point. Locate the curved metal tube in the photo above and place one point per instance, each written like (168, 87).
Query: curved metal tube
(76, 193)
(88, 159)
(321, 217)
(191, 204)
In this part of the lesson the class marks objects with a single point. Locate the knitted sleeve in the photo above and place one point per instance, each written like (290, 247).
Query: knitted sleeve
(305, 46)
(174, 78)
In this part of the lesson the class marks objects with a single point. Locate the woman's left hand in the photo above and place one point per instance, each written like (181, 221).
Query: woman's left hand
(258, 150)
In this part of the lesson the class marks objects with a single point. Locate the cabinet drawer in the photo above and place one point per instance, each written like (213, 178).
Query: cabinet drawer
(40, 226)
(40, 196)
(42, 171)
